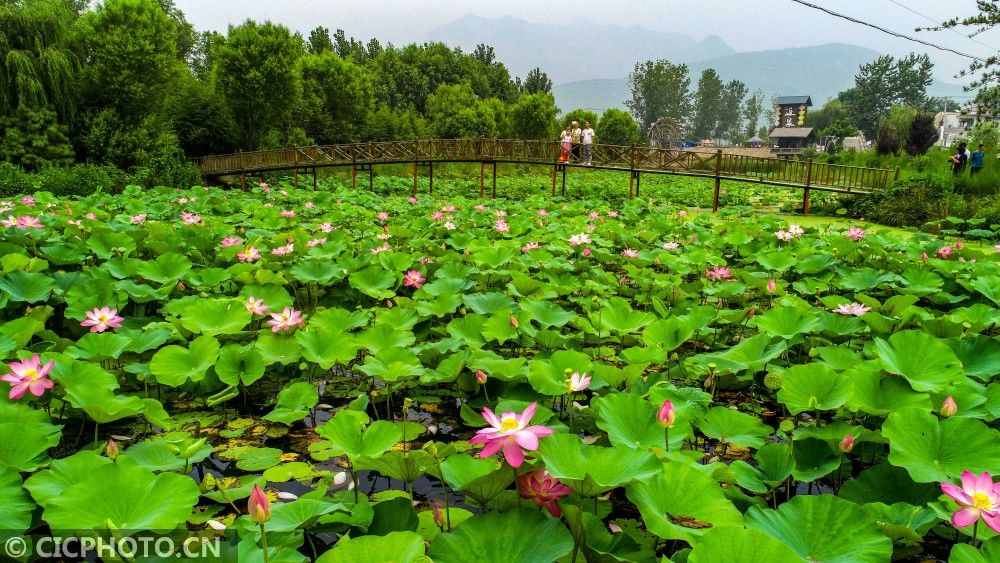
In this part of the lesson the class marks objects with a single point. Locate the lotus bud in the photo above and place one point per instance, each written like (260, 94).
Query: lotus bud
(923, 256)
(948, 407)
(666, 415)
(438, 517)
(181, 286)
(258, 507)
(513, 322)
(772, 286)
(586, 252)
(847, 443)
(959, 245)
(407, 403)
(480, 377)
(111, 449)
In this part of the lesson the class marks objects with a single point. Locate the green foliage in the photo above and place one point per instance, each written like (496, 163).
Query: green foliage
(659, 89)
(909, 202)
(455, 113)
(581, 116)
(884, 83)
(533, 116)
(34, 139)
(707, 105)
(81, 180)
(887, 142)
(616, 127)
(337, 98)
(14, 180)
(536, 82)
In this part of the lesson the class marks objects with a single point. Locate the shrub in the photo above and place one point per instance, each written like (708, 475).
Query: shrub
(909, 202)
(167, 171)
(81, 179)
(14, 181)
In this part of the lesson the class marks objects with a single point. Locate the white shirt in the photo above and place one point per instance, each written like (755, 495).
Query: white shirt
(588, 136)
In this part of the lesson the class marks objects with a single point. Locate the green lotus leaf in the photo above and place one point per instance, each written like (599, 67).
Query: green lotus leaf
(278, 348)
(104, 243)
(487, 303)
(321, 272)
(787, 322)
(294, 403)
(988, 287)
(546, 313)
(863, 279)
(22, 330)
(26, 434)
(439, 305)
(888, 484)
(480, 479)
(301, 513)
(99, 346)
(393, 515)
(774, 464)
(258, 459)
(401, 466)
(548, 376)
(175, 366)
(239, 364)
(239, 490)
(428, 529)
(965, 553)
(593, 470)
(814, 459)
(876, 394)
(678, 503)
(26, 287)
(980, 355)
(940, 450)
(92, 389)
(817, 528)
(157, 454)
(16, 509)
(630, 421)
(350, 433)
(150, 337)
(501, 538)
(813, 387)
(468, 329)
(373, 281)
(392, 365)
(383, 336)
(733, 427)
(739, 545)
(618, 317)
(213, 317)
(123, 494)
(926, 362)
(905, 524)
(404, 547)
(667, 334)
(166, 269)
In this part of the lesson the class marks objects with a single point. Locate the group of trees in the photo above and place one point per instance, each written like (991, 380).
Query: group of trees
(130, 82)
(715, 110)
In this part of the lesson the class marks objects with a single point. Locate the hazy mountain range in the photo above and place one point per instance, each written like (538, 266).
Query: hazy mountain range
(589, 63)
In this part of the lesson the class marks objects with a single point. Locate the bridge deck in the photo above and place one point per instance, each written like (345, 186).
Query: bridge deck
(635, 159)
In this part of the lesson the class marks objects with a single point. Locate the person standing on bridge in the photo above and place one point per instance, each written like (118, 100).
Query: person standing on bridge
(576, 133)
(587, 140)
(566, 139)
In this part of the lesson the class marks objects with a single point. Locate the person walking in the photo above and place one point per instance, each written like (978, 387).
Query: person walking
(566, 140)
(977, 160)
(958, 160)
(575, 134)
(587, 140)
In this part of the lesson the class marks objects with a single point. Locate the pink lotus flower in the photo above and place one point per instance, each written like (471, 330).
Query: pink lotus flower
(959, 245)
(630, 253)
(513, 322)
(577, 240)
(412, 200)
(449, 226)
(256, 306)
(480, 377)
(591, 227)
(784, 235)
(855, 233)
(945, 252)
(923, 257)
(74, 222)
(230, 241)
(29, 222)
(28, 376)
(383, 236)
(996, 247)
(28, 201)
(448, 208)
(325, 227)
(593, 215)
(978, 497)
(413, 279)
(613, 214)
(856, 309)
(439, 519)
(682, 213)
(846, 443)
(510, 431)
(138, 219)
(263, 186)
(111, 449)
(310, 205)
(500, 213)
(671, 245)
(426, 260)
(501, 226)
(948, 408)
(795, 230)
(480, 208)
(10, 221)
(100, 320)
(258, 507)
(772, 286)
(718, 273)
(286, 320)
(287, 213)
(380, 249)
(190, 218)
(382, 216)
(577, 382)
(586, 253)
(666, 415)
(283, 250)
(530, 246)
(544, 489)
(437, 216)
(248, 254)
(182, 200)
(315, 242)
(543, 213)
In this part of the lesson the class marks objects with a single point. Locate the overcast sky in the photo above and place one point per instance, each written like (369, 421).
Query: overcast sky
(746, 25)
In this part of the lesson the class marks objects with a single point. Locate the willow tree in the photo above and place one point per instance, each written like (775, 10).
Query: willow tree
(37, 65)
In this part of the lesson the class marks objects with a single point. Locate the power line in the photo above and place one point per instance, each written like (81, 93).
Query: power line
(887, 31)
(932, 20)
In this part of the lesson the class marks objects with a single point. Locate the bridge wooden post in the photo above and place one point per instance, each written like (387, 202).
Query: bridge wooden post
(564, 180)
(638, 180)
(805, 192)
(371, 176)
(296, 178)
(414, 178)
(482, 172)
(631, 171)
(243, 182)
(555, 168)
(354, 176)
(430, 175)
(897, 174)
(314, 178)
(494, 179)
(718, 180)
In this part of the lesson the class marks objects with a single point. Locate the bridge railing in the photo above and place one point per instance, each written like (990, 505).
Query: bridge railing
(635, 158)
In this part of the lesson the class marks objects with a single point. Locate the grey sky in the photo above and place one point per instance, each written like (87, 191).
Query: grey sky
(746, 25)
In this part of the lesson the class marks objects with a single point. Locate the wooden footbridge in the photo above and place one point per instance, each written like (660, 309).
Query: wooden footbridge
(636, 160)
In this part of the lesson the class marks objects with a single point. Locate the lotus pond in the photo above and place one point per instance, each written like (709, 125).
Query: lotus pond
(339, 376)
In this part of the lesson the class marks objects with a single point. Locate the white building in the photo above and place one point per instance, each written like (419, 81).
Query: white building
(953, 125)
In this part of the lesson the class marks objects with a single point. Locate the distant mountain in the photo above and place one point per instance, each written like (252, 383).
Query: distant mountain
(576, 50)
(820, 72)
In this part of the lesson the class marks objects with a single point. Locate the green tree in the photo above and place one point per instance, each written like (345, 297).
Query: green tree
(579, 115)
(387, 124)
(537, 81)
(257, 73)
(337, 98)
(838, 130)
(914, 74)
(831, 112)
(499, 112)
(659, 89)
(319, 40)
(199, 119)
(751, 113)
(455, 112)
(886, 141)
(730, 123)
(707, 105)
(985, 133)
(130, 58)
(34, 139)
(533, 116)
(38, 67)
(900, 117)
(884, 83)
(617, 127)
(922, 135)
